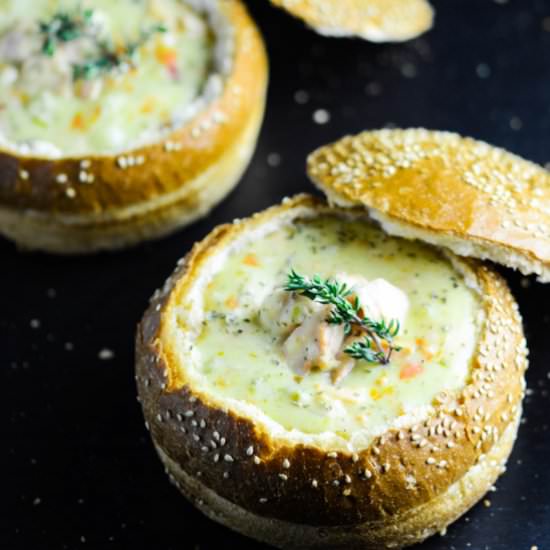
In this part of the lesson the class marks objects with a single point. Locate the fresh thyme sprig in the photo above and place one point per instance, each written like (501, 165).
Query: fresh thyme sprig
(109, 58)
(64, 27)
(348, 311)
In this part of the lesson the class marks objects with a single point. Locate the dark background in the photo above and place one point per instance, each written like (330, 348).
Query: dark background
(76, 462)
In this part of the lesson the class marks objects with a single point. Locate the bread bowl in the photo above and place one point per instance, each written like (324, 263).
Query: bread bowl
(123, 121)
(373, 20)
(381, 457)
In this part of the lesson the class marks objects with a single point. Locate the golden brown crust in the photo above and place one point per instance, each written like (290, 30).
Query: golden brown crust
(126, 183)
(374, 20)
(452, 188)
(401, 530)
(237, 457)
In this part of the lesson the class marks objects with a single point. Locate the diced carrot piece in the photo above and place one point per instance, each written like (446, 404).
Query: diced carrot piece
(166, 55)
(251, 260)
(232, 302)
(410, 370)
(78, 122)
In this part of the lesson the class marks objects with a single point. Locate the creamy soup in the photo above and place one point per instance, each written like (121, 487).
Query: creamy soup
(96, 76)
(243, 358)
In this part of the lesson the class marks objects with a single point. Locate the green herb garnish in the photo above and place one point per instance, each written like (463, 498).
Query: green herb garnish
(64, 27)
(348, 311)
(109, 58)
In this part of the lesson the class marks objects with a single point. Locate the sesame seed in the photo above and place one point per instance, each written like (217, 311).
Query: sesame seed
(228, 458)
(85, 164)
(430, 460)
(216, 436)
(263, 500)
(284, 477)
(250, 451)
(314, 483)
(286, 463)
(332, 454)
(61, 178)
(346, 492)
(386, 467)
(256, 460)
(70, 192)
(216, 457)
(202, 424)
(196, 438)
(189, 413)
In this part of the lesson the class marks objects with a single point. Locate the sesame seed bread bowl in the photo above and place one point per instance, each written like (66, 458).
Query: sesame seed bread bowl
(266, 469)
(466, 195)
(373, 20)
(155, 181)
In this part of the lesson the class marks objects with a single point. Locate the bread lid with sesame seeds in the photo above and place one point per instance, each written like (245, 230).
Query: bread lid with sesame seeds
(374, 20)
(103, 147)
(465, 195)
(291, 484)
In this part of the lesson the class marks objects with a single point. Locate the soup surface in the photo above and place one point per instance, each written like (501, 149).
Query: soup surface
(243, 358)
(96, 76)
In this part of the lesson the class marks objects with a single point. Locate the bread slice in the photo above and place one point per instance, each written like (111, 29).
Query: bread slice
(69, 204)
(294, 489)
(374, 20)
(462, 194)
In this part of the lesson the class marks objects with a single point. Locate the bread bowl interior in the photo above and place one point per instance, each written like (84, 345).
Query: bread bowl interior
(275, 435)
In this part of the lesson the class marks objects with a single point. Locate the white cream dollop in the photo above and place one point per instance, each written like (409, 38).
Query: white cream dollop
(309, 341)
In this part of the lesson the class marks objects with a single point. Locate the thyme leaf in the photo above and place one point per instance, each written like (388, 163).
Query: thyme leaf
(64, 27)
(348, 311)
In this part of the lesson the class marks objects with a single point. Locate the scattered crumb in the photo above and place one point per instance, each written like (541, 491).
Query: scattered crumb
(273, 159)
(321, 116)
(35, 323)
(487, 503)
(516, 123)
(105, 354)
(373, 89)
(408, 70)
(69, 346)
(301, 97)
(483, 70)
(534, 548)
(525, 282)
(36, 501)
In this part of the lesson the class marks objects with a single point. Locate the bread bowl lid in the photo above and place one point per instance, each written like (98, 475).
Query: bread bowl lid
(466, 195)
(373, 20)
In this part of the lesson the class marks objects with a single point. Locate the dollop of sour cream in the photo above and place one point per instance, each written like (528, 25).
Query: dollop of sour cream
(310, 342)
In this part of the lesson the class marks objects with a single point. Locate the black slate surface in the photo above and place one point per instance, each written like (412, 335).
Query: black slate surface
(78, 469)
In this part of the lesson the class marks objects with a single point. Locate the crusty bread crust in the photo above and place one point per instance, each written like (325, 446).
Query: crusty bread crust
(274, 475)
(404, 529)
(374, 20)
(150, 191)
(455, 192)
